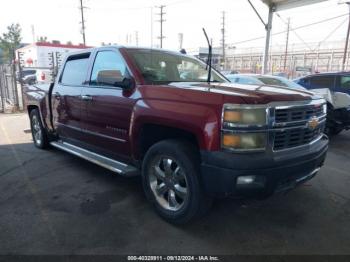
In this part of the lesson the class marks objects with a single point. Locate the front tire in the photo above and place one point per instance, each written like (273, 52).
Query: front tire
(170, 176)
(39, 134)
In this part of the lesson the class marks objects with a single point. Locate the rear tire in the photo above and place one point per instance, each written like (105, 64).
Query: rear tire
(39, 134)
(171, 181)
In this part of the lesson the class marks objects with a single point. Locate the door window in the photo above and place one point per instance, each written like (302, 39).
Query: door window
(322, 82)
(75, 70)
(345, 82)
(109, 69)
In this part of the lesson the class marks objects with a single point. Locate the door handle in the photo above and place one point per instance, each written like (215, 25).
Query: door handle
(86, 97)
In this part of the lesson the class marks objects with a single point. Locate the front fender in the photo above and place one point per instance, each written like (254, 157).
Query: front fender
(202, 121)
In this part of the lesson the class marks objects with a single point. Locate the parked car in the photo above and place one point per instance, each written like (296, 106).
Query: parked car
(228, 72)
(131, 111)
(23, 75)
(335, 88)
(32, 76)
(251, 79)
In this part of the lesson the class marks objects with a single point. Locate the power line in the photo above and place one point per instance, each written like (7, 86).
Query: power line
(296, 28)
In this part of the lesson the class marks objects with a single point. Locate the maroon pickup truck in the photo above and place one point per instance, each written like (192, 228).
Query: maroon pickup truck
(154, 113)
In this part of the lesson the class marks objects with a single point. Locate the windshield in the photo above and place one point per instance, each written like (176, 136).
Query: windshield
(159, 66)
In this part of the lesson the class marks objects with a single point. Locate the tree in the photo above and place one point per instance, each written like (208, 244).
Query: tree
(10, 41)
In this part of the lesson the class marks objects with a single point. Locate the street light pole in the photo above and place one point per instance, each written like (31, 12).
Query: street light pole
(346, 40)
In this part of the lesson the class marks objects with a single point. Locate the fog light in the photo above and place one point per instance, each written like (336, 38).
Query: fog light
(245, 180)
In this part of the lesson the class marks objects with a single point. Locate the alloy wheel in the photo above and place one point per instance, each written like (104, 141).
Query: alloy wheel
(168, 183)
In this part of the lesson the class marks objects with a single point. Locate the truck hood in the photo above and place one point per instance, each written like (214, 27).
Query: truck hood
(254, 94)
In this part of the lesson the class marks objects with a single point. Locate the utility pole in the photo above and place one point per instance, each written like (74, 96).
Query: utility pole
(161, 14)
(137, 38)
(82, 21)
(346, 40)
(287, 42)
(223, 40)
(33, 33)
(181, 37)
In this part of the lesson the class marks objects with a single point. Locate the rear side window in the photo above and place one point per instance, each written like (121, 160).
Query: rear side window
(322, 82)
(75, 70)
(345, 82)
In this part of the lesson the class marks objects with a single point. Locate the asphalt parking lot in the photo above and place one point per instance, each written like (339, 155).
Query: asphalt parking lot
(55, 203)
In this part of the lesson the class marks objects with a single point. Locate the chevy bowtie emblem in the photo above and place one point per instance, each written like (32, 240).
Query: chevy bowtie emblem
(313, 123)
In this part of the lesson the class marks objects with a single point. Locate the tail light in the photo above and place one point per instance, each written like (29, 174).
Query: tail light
(42, 76)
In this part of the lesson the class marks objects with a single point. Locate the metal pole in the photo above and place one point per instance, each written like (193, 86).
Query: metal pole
(82, 21)
(223, 40)
(286, 51)
(268, 36)
(346, 40)
(14, 82)
(2, 94)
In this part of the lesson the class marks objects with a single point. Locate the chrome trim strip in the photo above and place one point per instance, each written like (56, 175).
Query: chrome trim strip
(280, 129)
(309, 175)
(282, 124)
(92, 133)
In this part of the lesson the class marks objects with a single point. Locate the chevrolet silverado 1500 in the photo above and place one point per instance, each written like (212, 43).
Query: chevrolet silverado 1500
(155, 113)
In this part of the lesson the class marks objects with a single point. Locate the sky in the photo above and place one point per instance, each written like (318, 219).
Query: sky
(115, 21)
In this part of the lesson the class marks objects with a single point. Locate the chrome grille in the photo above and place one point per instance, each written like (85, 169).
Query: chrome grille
(291, 125)
(295, 137)
(297, 113)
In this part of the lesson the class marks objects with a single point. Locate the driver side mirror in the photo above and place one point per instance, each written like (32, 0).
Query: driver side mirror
(114, 78)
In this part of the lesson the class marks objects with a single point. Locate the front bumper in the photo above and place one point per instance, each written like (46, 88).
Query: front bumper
(274, 171)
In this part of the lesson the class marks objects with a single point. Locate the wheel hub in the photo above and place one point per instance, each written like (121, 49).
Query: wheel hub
(168, 183)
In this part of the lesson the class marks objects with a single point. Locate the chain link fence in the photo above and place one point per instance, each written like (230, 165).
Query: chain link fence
(10, 90)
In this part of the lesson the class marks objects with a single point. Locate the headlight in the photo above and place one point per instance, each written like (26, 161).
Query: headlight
(245, 116)
(244, 141)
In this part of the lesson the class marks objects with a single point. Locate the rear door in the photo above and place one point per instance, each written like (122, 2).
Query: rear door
(66, 97)
(106, 108)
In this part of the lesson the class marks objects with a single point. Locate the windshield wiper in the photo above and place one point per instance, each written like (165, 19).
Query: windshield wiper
(209, 57)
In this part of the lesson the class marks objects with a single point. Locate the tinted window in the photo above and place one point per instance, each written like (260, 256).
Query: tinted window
(74, 72)
(109, 68)
(345, 82)
(28, 72)
(322, 82)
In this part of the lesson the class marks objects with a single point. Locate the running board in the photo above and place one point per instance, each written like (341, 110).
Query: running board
(111, 164)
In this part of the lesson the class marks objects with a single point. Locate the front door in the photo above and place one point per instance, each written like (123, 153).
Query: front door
(107, 109)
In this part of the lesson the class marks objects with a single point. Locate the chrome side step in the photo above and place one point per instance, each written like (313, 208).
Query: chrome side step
(111, 164)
